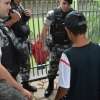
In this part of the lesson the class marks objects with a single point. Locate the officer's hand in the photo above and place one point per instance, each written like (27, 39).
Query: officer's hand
(27, 94)
(28, 12)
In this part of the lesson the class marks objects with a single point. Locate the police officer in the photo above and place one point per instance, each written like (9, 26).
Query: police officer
(22, 31)
(9, 88)
(54, 24)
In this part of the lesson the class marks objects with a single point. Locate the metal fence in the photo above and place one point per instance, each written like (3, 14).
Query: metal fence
(90, 8)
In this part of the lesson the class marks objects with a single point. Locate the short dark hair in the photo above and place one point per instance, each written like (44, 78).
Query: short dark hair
(69, 1)
(76, 22)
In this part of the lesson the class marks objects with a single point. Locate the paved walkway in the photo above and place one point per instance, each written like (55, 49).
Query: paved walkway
(42, 85)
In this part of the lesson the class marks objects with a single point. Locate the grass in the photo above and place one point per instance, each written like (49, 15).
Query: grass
(36, 25)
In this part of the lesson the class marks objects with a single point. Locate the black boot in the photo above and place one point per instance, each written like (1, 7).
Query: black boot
(30, 88)
(50, 88)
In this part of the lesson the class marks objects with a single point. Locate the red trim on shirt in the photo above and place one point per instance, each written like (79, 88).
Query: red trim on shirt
(61, 60)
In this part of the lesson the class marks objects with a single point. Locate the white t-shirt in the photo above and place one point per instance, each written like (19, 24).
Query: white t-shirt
(64, 72)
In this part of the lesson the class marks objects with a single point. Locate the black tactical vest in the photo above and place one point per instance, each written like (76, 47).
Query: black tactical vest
(57, 29)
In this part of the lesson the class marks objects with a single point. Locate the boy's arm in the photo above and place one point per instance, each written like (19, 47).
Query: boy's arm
(61, 93)
(64, 77)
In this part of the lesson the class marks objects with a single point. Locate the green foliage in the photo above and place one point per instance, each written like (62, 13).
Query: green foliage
(93, 27)
(93, 18)
(36, 25)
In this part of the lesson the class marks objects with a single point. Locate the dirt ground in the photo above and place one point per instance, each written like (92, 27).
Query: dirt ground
(42, 85)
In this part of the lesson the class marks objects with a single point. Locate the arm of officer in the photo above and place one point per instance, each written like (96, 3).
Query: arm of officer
(64, 77)
(44, 33)
(47, 22)
(61, 92)
(5, 75)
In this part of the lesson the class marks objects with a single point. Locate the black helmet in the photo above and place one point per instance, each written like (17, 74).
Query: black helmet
(76, 22)
(69, 1)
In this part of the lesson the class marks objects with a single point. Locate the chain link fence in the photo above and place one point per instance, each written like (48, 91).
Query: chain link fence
(90, 8)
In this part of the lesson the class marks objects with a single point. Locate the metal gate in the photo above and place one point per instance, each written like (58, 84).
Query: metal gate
(90, 8)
